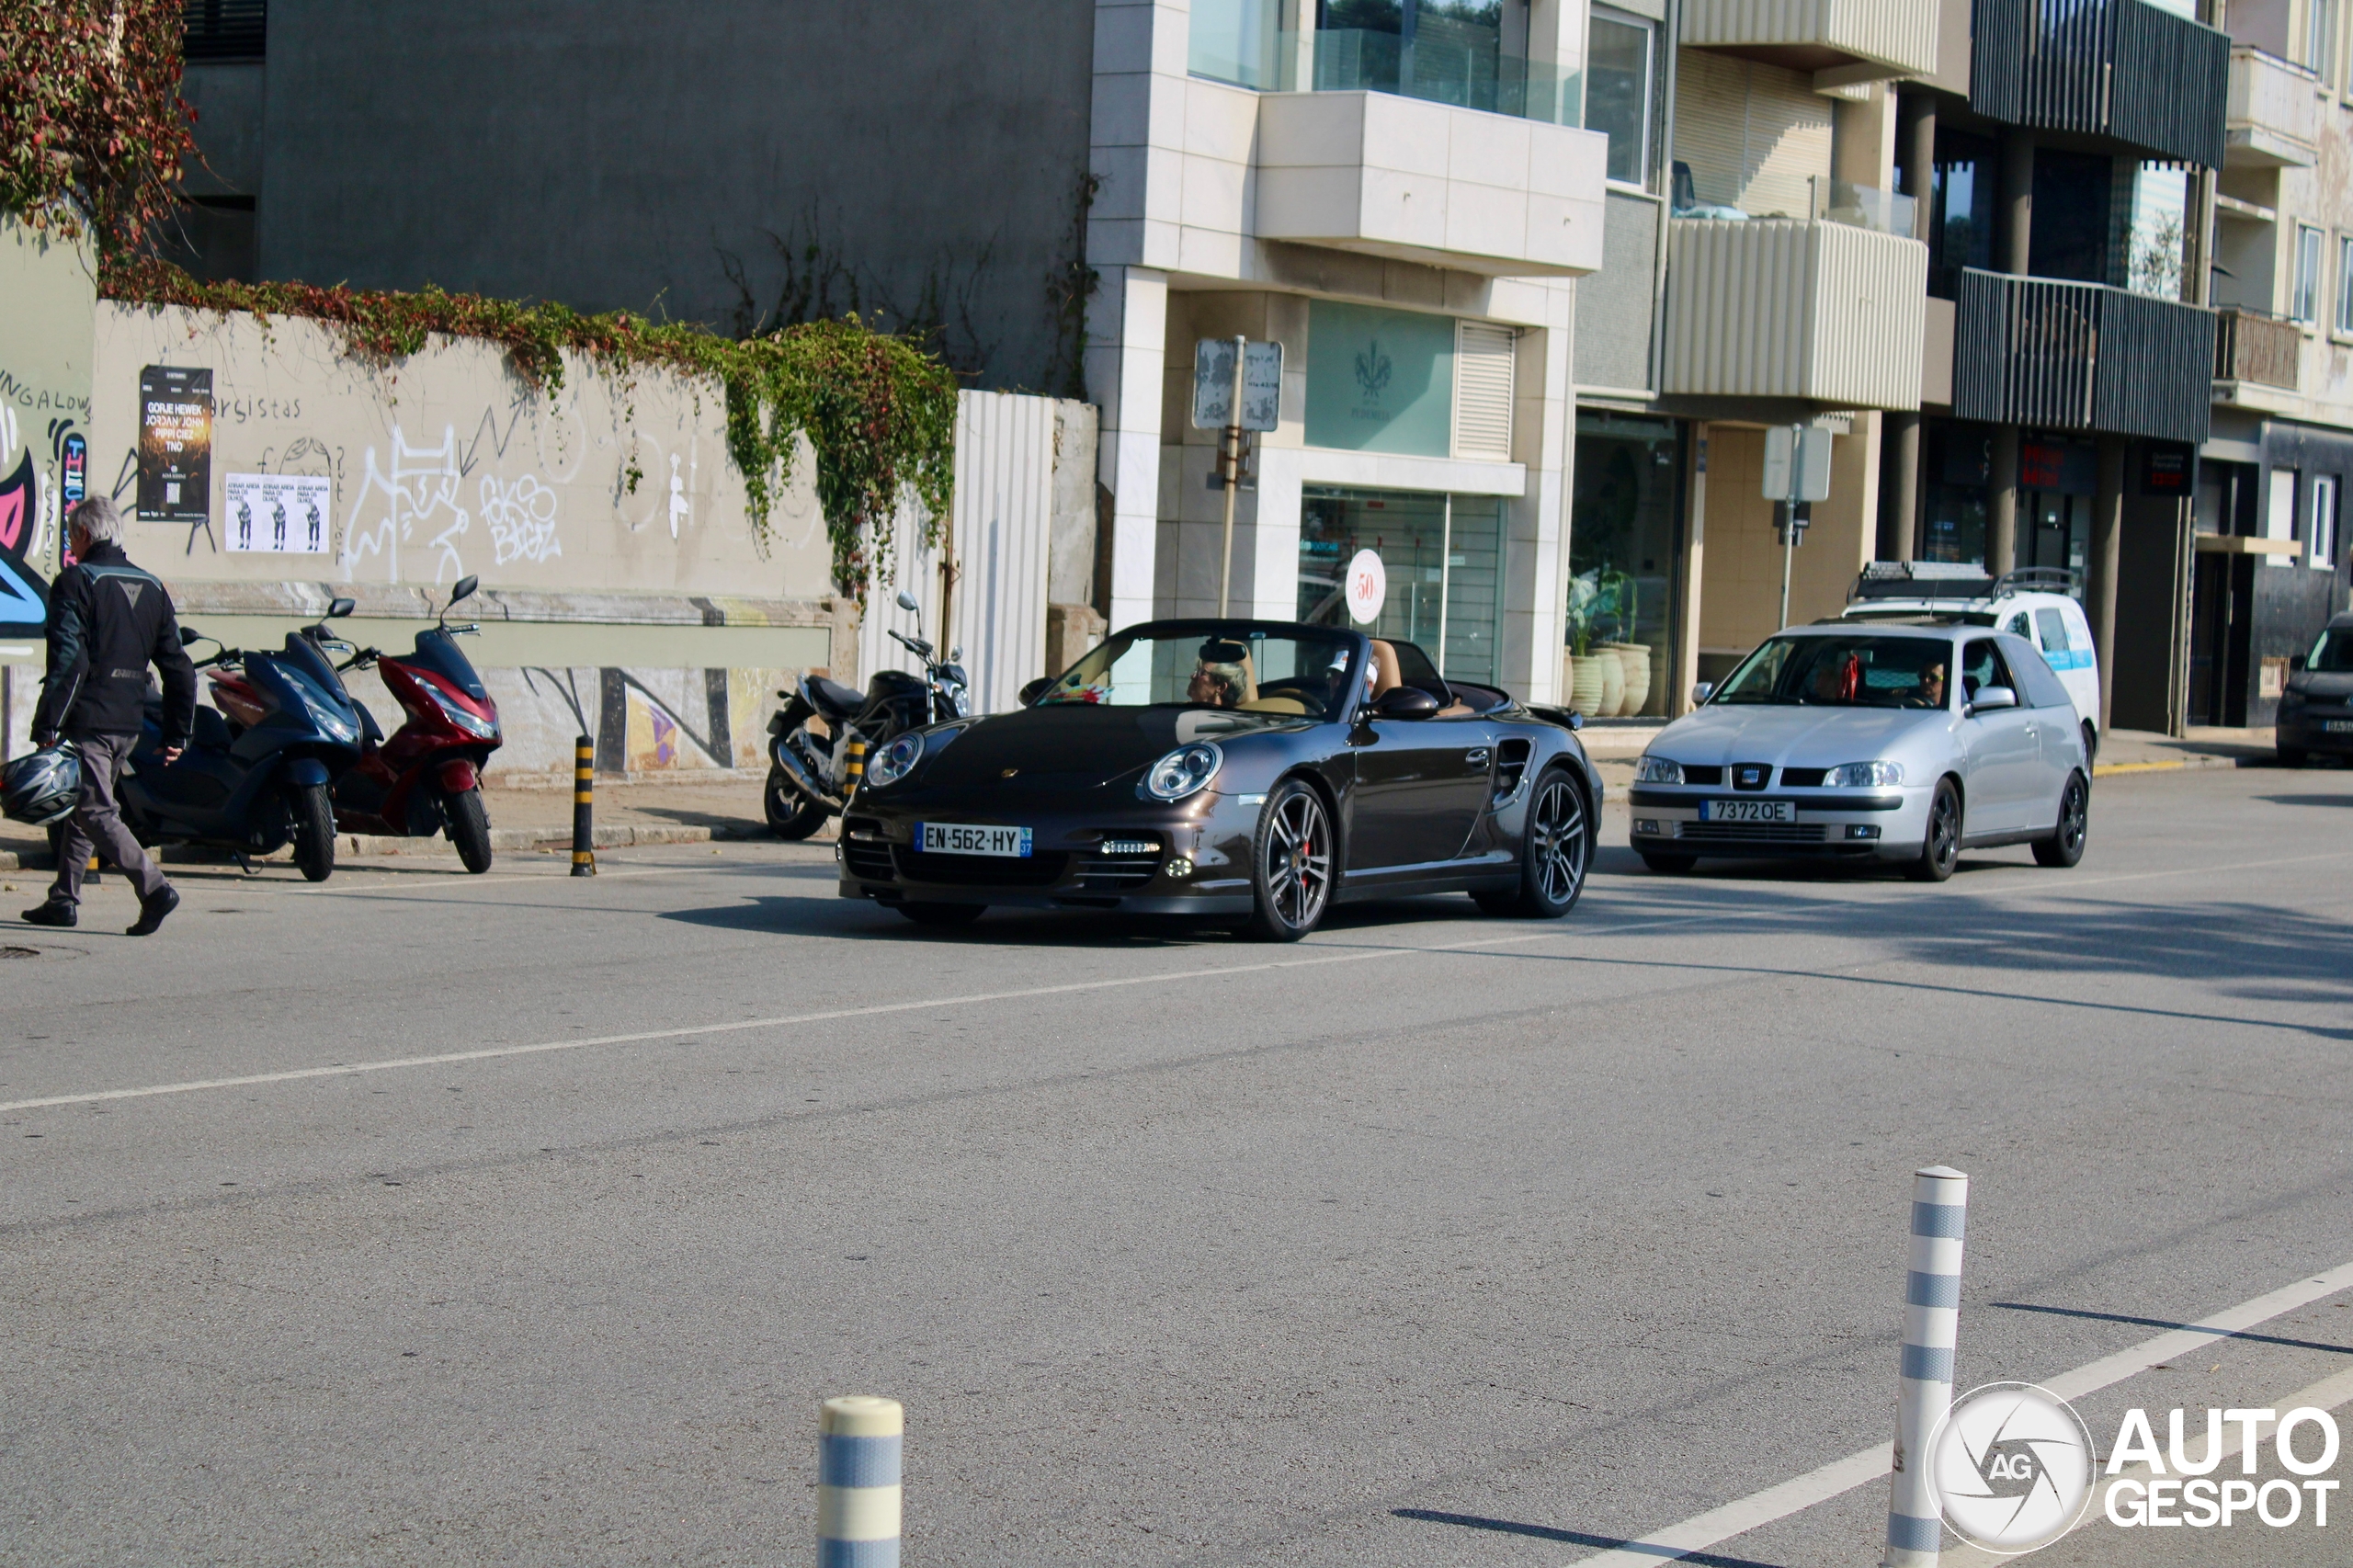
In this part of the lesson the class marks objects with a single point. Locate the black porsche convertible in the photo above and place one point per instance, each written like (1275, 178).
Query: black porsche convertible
(1244, 771)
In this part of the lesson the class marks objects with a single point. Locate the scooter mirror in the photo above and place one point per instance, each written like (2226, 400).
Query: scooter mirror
(340, 609)
(907, 601)
(956, 655)
(465, 588)
(191, 636)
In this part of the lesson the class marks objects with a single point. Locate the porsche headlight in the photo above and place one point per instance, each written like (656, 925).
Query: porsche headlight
(1185, 771)
(1657, 770)
(894, 761)
(1863, 775)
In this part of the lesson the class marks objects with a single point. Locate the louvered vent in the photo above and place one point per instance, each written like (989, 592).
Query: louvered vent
(1483, 376)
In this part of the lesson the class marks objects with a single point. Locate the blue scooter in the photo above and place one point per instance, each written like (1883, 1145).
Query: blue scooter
(259, 766)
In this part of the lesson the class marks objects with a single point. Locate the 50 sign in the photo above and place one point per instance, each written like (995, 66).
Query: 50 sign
(1367, 587)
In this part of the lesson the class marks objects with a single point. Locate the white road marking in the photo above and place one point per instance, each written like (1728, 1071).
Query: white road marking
(1856, 1470)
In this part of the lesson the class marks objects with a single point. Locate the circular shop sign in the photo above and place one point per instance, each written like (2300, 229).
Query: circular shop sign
(2011, 1467)
(1367, 588)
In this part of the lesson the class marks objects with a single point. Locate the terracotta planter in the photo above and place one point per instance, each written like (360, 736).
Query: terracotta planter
(1585, 685)
(1635, 659)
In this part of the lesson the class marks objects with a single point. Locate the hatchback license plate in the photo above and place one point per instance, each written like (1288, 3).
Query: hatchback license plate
(1748, 811)
(955, 838)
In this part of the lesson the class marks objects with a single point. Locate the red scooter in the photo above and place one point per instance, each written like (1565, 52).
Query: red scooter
(427, 778)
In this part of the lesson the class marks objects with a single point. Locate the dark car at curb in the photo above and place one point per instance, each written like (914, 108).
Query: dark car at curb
(1247, 773)
(2316, 714)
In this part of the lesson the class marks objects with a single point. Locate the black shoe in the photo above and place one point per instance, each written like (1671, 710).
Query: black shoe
(56, 911)
(152, 910)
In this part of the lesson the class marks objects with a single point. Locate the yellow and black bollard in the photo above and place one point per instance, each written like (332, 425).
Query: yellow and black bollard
(855, 770)
(583, 807)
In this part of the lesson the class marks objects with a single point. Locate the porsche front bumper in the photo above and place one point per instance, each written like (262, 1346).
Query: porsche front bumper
(1190, 858)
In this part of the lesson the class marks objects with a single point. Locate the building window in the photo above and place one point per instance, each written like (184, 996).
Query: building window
(1625, 552)
(1235, 41)
(1444, 558)
(2280, 520)
(2306, 306)
(2323, 528)
(217, 30)
(1380, 380)
(2345, 283)
(1618, 91)
(2317, 33)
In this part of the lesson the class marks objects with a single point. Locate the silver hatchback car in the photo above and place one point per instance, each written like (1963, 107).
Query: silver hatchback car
(1901, 744)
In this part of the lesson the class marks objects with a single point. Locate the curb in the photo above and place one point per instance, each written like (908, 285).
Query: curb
(368, 844)
(2102, 769)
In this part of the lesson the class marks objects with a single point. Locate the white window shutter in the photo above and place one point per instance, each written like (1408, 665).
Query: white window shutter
(1484, 357)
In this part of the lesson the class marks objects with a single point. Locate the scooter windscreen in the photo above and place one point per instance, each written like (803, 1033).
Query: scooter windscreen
(438, 652)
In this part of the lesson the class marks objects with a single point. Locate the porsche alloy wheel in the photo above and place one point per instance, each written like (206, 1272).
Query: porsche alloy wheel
(1292, 868)
(1554, 855)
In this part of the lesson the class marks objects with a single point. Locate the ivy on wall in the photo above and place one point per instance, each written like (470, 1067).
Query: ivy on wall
(880, 414)
(92, 128)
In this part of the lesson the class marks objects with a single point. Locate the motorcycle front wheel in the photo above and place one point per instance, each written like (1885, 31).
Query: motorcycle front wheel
(313, 816)
(470, 830)
(791, 816)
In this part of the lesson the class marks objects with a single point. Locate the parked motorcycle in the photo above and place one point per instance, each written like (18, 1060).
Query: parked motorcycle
(260, 762)
(427, 778)
(813, 773)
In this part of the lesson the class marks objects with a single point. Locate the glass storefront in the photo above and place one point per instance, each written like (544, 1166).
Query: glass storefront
(1625, 548)
(1957, 460)
(2057, 480)
(1443, 556)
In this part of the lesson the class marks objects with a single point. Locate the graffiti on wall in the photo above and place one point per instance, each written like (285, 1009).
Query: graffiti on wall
(30, 526)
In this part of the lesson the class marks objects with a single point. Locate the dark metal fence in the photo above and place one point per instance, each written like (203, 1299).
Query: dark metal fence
(2081, 357)
(2119, 68)
(224, 29)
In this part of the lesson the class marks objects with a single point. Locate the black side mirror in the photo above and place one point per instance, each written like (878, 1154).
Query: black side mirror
(465, 588)
(1035, 689)
(340, 609)
(191, 636)
(1404, 703)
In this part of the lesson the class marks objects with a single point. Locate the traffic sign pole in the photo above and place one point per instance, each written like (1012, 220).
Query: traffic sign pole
(1232, 465)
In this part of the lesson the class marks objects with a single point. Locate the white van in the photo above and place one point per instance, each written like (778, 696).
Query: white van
(2037, 603)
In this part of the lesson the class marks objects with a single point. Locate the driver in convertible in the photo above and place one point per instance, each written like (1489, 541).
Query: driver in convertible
(1221, 677)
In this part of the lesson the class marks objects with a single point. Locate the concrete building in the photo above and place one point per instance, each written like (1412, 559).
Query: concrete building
(2269, 562)
(1063, 192)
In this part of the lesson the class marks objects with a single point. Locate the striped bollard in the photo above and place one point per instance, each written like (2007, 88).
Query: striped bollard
(583, 807)
(1931, 1329)
(854, 772)
(858, 1482)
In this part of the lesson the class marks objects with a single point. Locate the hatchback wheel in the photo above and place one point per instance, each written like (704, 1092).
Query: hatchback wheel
(2065, 845)
(1940, 850)
(1290, 867)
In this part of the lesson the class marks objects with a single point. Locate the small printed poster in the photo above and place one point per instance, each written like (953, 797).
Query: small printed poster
(175, 445)
(277, 513)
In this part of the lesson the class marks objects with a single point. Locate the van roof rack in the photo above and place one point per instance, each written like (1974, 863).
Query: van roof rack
(1957, 582)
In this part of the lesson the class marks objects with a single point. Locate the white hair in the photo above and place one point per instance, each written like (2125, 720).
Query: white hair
(98, 518)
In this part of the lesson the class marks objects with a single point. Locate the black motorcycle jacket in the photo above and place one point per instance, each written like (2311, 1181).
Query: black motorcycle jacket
(107, 621)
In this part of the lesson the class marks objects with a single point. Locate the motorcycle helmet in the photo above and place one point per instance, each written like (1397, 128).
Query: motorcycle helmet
(42, 787)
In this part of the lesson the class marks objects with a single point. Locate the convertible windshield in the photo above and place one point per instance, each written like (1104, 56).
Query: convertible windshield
(1246, 668)
(2332, 654)
(1844, 672)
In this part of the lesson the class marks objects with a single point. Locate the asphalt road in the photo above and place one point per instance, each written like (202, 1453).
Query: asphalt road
(1434, 1240)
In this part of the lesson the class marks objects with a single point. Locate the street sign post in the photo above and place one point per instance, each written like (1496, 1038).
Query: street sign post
(1237, 386)
(1797, 472)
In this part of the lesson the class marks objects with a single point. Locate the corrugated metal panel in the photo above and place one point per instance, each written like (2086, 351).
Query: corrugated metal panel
(1785, 309)
(1002, 520)
(1900, 33)
(1484, 358)
(2082, 356)
(1870, 310)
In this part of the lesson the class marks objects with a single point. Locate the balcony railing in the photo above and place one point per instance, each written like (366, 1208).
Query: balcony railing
(2122, 69)
(2275, 112)
(1778, 307)
(1853, 43)
(2252, 346)
(2081, 357)
(1445, 61)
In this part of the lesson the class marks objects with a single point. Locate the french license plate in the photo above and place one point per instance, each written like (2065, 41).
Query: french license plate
(955, 838)
(2339, 726)
(1748, 811)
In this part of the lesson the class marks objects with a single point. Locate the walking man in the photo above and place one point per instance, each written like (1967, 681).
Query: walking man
(107, 621)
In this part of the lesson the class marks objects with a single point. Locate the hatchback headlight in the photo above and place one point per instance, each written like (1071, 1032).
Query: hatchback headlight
(1185, 771)
(1658, 770)
(1863, 775)
(894, 761)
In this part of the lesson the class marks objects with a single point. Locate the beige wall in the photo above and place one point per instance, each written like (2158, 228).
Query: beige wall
(1752, 133)
(446, 464)
(1740, 574)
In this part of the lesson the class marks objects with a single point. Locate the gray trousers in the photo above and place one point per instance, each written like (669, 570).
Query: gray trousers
(98, 822)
